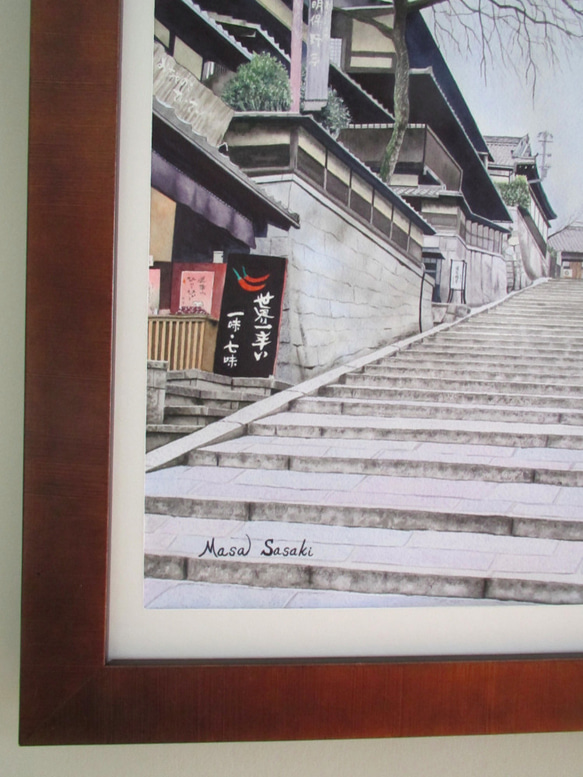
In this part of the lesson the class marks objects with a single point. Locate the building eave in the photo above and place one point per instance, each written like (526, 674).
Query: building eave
(424, 53)
(537, 189)
(346, 156)
(198, 29)
(429, 106)
(247, 189)
(422, 192)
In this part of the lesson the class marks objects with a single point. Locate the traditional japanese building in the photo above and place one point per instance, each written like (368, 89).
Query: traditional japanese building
(362, 258)
(442, 167)
(351, 247)
(355, 269)
(567, 244)
(513, 167)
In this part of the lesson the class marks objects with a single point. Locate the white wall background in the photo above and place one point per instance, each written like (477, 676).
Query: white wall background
(507, 756)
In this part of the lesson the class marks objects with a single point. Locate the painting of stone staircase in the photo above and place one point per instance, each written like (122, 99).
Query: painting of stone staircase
(444, 469)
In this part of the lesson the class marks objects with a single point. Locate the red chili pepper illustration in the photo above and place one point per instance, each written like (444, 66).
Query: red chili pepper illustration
(249, 283)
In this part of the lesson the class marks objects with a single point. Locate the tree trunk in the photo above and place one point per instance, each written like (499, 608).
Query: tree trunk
(401, 92)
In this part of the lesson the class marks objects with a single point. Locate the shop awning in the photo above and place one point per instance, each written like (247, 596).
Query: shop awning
(176, 185)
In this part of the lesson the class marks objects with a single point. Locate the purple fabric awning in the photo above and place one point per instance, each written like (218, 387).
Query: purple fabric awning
(179, 187)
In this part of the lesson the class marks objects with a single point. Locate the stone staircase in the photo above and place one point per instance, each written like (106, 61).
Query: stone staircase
(195, 398)
(448, 471)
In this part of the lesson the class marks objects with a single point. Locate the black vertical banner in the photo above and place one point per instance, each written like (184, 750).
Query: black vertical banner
(248, 332)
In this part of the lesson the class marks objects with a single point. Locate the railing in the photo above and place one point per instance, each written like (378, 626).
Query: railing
(185, 342)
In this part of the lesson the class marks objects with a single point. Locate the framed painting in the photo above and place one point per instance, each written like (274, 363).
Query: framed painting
(78, 684)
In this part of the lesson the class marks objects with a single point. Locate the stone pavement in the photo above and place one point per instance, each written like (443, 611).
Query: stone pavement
(446, 469)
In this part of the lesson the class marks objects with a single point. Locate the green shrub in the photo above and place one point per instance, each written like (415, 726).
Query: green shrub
(259, 85)
(263, 85)
(334, 116)
(516, 192)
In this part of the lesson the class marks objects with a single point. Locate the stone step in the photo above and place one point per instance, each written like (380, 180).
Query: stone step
(528, 501)
(568, 316)
(185, 413)
(510, 373)
(530, 342)
(550, 356)
(452, 396)
(525, 326)
(191, 377)
(189, 424)
(217, 394)
(177, 428)
(527, 320)
(506, 327)
(546, 335)
(158, 435)
(527, 329)
(515, 435)
(543, 367)
(391, 515)
(444, 383)
(414, 563)
(501, 464)
(407, 409)
(569, 302)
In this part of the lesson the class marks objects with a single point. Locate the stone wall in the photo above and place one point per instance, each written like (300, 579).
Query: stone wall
(525, 261)
(486, 272)
(156, 391)
(348, 291)
(486, 279)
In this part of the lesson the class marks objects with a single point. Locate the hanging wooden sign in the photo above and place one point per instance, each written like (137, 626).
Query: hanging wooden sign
(250, 316)
(318, 56)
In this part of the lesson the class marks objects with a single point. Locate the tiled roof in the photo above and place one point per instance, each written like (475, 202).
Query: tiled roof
(229, 22)
(506, 150)
(347, 78)
(425, 191)
(202, 14)
(168, 115)
(345, 154)
(568, 239)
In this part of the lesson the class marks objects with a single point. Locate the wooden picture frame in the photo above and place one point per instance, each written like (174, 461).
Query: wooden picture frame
(70, 694)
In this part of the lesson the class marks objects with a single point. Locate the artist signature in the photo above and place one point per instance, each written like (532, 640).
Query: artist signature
(268, 547)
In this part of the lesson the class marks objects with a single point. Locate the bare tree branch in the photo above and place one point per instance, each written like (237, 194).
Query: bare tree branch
(522, 35)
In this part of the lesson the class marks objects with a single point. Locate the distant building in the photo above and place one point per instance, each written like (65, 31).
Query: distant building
(513, 166)
(568, 245)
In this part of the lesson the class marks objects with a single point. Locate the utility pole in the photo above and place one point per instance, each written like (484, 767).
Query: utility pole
(545, 139)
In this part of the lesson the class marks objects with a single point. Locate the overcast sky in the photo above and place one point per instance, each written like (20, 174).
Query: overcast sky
(504, 106)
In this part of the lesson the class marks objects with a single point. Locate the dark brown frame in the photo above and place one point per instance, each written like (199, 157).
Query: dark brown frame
(69, 692)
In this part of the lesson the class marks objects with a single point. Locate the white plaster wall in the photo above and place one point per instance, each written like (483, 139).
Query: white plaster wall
(534, 262)
(503, 756)
(525, 262)
(486, 277)
(347, 292)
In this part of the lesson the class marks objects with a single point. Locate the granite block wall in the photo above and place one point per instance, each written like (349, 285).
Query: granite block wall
(348, 292)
